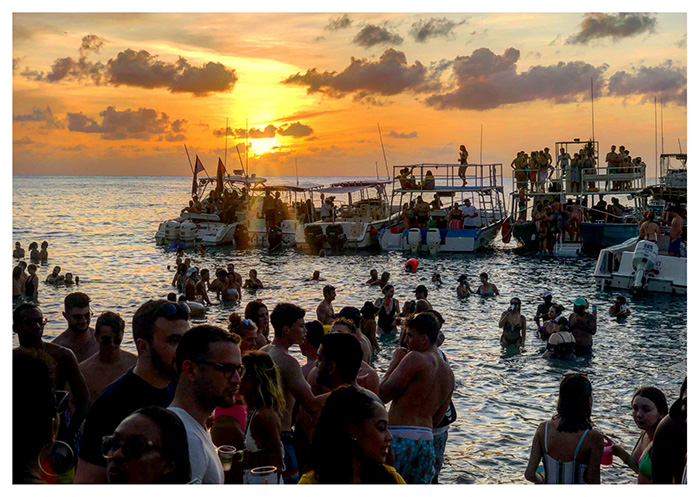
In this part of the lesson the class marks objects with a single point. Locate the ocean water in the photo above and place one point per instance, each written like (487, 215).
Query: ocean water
(102, 230)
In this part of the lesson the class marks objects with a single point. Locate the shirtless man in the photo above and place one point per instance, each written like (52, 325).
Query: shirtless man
(230, 267)
(220, 283)
(288, 323)
(419, 384)
(79, 337)
(55, 278)
(674, 247)
(18, 252)
(373, 278)
(650, 230)
(324, 311)
(367, 377)
(583, 326)
(28, 322)
(110, 362)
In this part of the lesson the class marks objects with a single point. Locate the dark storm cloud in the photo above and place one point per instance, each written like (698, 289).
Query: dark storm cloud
(141, 124)
(372, 35)
(394, 134)
(341, 22)
(390, 75)
(616, 26)
(297, 130)
(38, 115)
(424, 29)
(665, 81)
(138, 69)
(485, 80)
(144, 70)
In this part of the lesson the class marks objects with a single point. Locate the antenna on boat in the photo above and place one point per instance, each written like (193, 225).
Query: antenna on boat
(662, 126)
(383, 152)
(226, 145)
(239, 156)
(592, 114)
(679, 146)
(481, 143)
(296, 167)
(376, 166)
(656, 144)
(246, 147)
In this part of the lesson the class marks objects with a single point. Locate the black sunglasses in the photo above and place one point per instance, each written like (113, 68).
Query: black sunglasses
(31, 321)
(226, 369)
(107, 340)
(132, 447)
(170, 310)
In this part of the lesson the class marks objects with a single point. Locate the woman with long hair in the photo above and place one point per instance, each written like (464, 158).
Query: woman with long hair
(257, 312)
(388, 309)
(261, 388)
(649, 406)
(568, 446)
(513, 324)
(369, 324)
(352, 441)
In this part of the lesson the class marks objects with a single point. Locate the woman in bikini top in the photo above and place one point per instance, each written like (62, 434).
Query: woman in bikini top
(513, 324)
(486, 288)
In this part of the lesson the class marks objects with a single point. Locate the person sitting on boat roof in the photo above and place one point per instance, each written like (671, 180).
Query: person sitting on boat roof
(429, 181)
(463, 156)
(470, 214)
(406, 179)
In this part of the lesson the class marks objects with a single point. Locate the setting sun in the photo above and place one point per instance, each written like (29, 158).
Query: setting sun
(263, 145)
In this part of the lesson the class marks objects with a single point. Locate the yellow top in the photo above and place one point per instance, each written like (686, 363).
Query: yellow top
(310, 478)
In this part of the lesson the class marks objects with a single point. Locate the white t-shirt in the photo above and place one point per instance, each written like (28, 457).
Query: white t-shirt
(467, 212)
(204, 460)
(326, 210)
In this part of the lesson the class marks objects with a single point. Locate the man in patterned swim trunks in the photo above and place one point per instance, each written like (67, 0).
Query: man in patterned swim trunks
(419, 384)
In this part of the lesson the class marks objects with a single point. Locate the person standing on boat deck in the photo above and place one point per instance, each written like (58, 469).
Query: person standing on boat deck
(674, 246)
(268, 208)
(324, 311)
(157, 327)
(650, 230)
(462, 171)
(611, 161)
(419, 384)
(288, 323)
(564, 162)
(583, 326)
(469, 214)
(327, 210)
(208, 364)
(436, 203)
(101, 369)
(78, 337)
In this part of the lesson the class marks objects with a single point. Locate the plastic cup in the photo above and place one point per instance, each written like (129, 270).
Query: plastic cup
(607, 458)
(264, 475)
(226, 453)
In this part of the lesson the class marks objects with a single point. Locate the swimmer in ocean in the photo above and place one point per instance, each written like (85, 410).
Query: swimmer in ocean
(486, 288)
(373, 278)
(55, 278)
(513, 324)
(253, 282)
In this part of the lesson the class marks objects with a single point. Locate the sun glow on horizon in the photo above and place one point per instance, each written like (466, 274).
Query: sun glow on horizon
(261, 146)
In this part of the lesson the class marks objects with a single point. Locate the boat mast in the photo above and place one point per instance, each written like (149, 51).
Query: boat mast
(662, 126)
(592, 114)
(226, 145)
(246, 147)
(296, 167)
(656, 144)
(383, 151)
(481, 144)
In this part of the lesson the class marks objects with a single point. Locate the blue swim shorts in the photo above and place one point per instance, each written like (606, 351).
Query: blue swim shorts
(415, 456)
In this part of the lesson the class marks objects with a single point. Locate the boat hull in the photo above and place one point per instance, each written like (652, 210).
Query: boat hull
(597, 236)
(464, 240)
(357, 234)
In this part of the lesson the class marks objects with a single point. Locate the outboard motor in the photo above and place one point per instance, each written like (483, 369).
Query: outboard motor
(643, 261)
(414, 239)
(240, 236)
(172, 232)
(188, 233)
(313, 233)
(274, 237)
(432, 238)
(336, 237)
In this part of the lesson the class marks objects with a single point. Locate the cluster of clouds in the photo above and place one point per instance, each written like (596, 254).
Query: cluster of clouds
(596, 26)
(137, 69)
(486, 80)
(294, 130)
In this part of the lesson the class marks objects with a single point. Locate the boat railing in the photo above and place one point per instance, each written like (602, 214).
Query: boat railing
(446, 177)
(594, 180)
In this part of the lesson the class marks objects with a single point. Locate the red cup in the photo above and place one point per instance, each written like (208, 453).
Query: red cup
(607, 458)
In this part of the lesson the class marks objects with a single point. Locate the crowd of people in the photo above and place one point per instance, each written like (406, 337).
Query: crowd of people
(205, 404)
(25, 282)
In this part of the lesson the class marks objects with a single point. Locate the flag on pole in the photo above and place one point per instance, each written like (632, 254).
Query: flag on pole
(220, 171)
(198, 166)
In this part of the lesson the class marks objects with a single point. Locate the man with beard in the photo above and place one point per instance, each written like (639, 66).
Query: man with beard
(79, 337)
(158, 326)
(28, 322)
(208, 362)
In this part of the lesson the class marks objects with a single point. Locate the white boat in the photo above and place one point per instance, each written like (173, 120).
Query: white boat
(645, 266)
(294, 196)
(484, 189)
(190, 229)
(354, 223)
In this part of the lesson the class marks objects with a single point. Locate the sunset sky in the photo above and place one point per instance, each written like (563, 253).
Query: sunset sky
(122, 93)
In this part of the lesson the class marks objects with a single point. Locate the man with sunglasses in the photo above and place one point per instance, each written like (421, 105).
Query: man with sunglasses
(208, 362)
(111, 361)
(79, 337)
(28, 322)
(158, 326)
